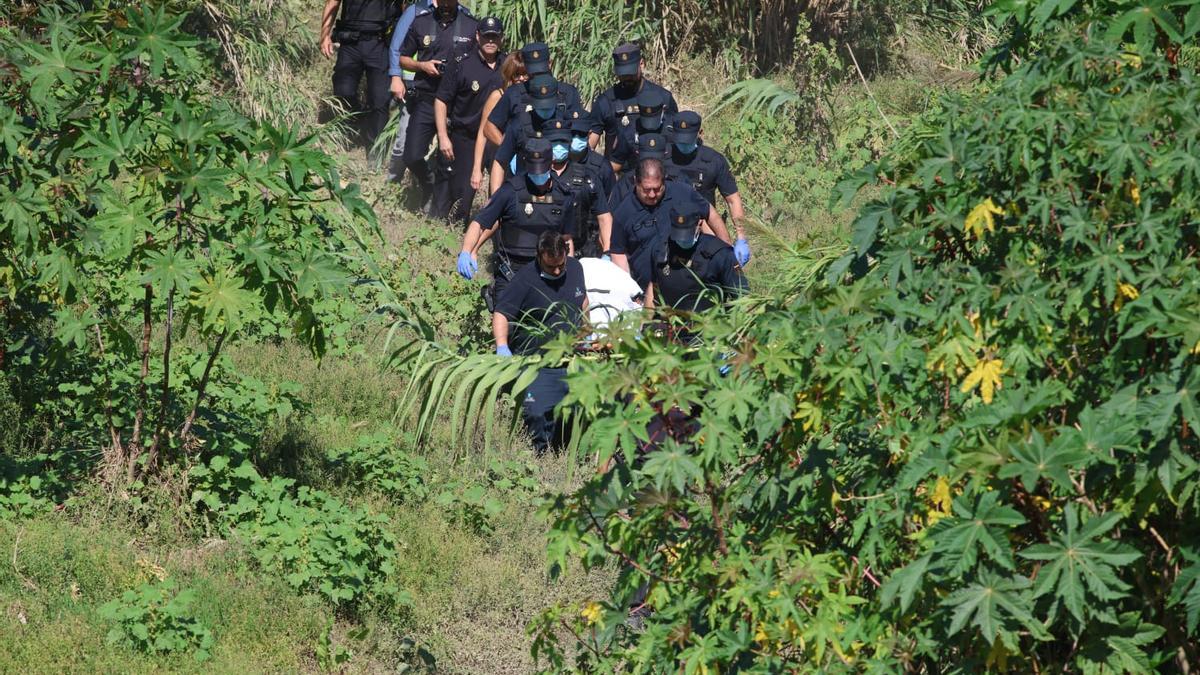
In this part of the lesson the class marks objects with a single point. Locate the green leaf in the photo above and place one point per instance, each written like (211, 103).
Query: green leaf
(991, 604)
(1079, 564)
(983, 526)
(1034, 460)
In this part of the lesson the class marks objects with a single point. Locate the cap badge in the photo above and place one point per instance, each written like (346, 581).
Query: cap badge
(625, 56)
(474, 85)
(528, 209)
(427, 40)
(536, 54)
(545, 90)
(625, 121)
(683, 125)
(653, 142)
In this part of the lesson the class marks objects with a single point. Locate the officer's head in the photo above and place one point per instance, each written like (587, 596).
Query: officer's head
(536, 157)
(543, 94)
(446, 9)
(552, 254)
(581, 129)
(685, 229)
(648, 181)
(627, 63)
(687, 132)
(652, 146)
(558, 132)
(536, 56)
(490, 35)
(651, 104)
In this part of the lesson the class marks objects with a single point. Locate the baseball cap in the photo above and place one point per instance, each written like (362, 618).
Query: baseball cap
(683, 225)
(652, 146)
(687, 127)
(537, 155)
(491, 26)
(626, 59)
(542, 87)
(536, 56)
(581, 123)
(557, 130)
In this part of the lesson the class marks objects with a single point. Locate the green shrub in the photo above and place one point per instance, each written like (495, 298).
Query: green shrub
(314, 540)
(156, 619)
(375, 463)
(469, 505)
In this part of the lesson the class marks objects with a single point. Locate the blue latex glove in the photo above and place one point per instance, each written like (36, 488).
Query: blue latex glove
(606, 257)
(503, 350)
(466, 265)
(741, 252)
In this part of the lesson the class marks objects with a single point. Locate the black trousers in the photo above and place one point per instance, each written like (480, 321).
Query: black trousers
(453, 193)
(537, 409)
(421, 131)
(354, 59)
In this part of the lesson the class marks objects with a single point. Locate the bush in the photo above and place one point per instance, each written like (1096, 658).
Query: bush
(377, 464)
(970, 443)
(155, 619)
(314, 540)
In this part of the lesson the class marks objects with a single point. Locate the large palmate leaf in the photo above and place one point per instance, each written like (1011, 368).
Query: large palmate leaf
(1081, 564)
(982, 526)
(995, 605)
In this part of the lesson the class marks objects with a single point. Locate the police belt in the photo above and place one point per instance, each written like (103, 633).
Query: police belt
(350, 35)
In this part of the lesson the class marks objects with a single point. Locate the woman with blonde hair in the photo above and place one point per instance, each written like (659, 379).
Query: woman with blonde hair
(513, 72)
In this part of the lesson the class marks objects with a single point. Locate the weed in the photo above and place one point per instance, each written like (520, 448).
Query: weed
(156, 618)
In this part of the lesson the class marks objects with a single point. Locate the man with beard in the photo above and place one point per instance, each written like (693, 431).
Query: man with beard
(457, 113)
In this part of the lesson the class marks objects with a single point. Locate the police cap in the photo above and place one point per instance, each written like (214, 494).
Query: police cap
(557, 130)
(581, 123)
(652, 146)
(541, 88)
(536, 56)
(626, 59)
(537, 155)
(687, 127)
(491, 26)
(683, 225)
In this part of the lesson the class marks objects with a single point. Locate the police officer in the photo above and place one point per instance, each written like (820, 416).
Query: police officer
(457, 113)
(617, 108)
(525, 206)
(536, 57)
(651, 119)
(541, 93)
(583, 154)
(642, 221)
(650, 146)
(545, 299)
(707, 171)
(593, 221)
(438, 37)
(699, 271)
(361, 33)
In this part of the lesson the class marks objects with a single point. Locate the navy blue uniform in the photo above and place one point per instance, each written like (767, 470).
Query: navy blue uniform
(615, 111)
(706, 170)
(362, 31)
(430, 39)
(515, 102)
(464, 89)
(524, 211)
(641, 232)
(696, 279)
(531, 126)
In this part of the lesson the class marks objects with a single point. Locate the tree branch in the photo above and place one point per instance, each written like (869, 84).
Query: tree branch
(140, 415)
(212, 357)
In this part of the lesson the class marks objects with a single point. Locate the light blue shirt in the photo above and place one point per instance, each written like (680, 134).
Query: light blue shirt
(402, 27)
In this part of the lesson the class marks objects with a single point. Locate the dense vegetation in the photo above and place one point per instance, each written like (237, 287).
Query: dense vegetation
(957, 432)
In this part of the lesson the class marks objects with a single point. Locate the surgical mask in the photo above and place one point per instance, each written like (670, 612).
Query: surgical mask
(686, 148)
(685, 244)
(552, 277)
(578, 144)
(544, 113)
(559, 152)
(539, 179)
